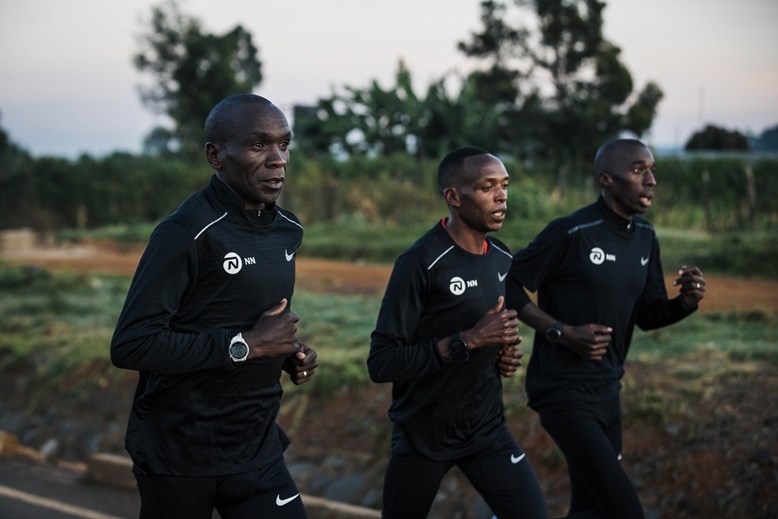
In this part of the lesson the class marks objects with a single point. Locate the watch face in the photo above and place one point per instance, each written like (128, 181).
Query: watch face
(553, 334)
(238, 350)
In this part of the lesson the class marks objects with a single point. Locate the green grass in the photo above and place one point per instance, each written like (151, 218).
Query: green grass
(749, 336)
(63, 322)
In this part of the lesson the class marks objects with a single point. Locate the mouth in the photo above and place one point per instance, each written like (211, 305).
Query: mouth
(499, 215)
(274, 182)
(645, 200)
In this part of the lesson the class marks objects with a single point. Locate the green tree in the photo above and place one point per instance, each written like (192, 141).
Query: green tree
(192, 70)
(716, 138)
(374, 120)
(767, 140)
(569, 80)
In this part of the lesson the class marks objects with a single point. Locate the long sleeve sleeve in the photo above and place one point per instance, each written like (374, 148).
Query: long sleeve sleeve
(395, 353)
(654, 309)
(146, 338)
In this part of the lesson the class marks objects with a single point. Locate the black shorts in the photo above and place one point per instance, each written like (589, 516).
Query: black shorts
(268, 492)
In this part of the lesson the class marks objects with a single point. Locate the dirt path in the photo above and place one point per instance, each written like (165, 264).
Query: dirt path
(724, 293)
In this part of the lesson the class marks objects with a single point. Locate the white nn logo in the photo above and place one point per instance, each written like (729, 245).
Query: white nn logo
(232, 263)
(457, 286)
(597, 256)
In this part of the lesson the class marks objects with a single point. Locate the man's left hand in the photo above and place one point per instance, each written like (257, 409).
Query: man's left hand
(692, 286)
(301, 365)
(509, 361)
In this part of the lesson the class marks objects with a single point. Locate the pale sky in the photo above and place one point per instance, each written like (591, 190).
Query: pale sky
(68, 86)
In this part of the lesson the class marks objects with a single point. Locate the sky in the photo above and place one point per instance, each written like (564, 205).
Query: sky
(68, 86)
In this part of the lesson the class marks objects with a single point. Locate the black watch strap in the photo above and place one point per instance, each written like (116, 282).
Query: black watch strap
(457, 349)
(554, 333)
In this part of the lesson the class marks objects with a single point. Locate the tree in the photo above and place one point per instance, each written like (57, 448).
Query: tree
(376, 120)
(192, 71)
(768, 140)
(569, 79)
(716, 138)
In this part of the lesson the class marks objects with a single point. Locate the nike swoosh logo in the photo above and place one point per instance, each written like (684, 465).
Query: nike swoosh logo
(282, 502)
(516, 459)
(501, 277)
(643, 261)
(289, 256)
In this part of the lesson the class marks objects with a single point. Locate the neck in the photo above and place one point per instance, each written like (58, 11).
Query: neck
(613, 206)
(465, 236)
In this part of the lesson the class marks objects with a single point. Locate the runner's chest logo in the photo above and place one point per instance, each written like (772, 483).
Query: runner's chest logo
(457, 285)
(233, 263)
(599, 256)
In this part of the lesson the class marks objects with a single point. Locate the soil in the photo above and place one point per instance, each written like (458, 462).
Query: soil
(700, 435)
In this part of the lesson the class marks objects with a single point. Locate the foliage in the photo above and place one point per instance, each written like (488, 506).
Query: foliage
(506, 106)
(767, 140)
(50, 193)
(591, 91)
(716, 138)
(192, 71)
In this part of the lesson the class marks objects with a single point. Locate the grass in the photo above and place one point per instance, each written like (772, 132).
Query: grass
(71, 317)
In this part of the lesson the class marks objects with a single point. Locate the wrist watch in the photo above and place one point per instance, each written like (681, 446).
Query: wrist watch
(457, 348)
(554, 333)
(239, 350)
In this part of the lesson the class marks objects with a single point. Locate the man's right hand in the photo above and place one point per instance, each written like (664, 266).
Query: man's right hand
(589, 341)
(274, 334)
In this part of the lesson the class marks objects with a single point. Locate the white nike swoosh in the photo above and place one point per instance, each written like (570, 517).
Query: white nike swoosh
(288, 256)
(643, 261)
(501, 277)
(282, 502)
(516, 459)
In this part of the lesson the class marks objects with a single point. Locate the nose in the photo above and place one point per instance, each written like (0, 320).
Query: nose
(650, 179)
(278, 158)
(501, 194)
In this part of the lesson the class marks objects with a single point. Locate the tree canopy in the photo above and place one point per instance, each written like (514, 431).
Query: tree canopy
(548, 86)
(716, 138)
(192, 70)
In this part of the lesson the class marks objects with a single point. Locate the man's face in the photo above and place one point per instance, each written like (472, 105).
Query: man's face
(252, 160)
(629, 180)
(483, 193)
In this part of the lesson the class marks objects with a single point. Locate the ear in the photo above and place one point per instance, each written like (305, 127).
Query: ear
(604, 179)
(212, 155)
(452, 196)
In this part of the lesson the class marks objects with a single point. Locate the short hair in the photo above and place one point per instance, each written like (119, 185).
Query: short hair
(218, 124)
(450, 167)
(604, 155)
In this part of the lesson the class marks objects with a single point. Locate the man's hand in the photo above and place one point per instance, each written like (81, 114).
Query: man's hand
(497, 327)
(692, 286)
(301, 365)
(589, 341)
(509, 360)
(274, 334)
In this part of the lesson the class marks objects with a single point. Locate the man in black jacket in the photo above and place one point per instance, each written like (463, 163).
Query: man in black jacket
(207, 323)
(443, 338)
(598, 273)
